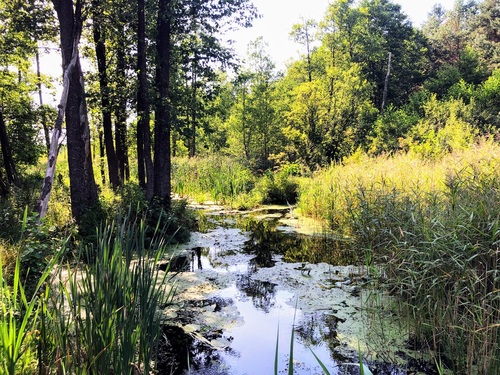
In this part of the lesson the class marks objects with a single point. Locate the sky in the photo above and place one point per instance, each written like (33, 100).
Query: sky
(278, 16)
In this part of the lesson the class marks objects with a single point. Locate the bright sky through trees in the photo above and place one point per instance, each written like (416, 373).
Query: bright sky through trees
(278, 16)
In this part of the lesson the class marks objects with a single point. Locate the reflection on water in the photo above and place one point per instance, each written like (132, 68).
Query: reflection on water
(261, 305)
(267, 240)
(262, 293)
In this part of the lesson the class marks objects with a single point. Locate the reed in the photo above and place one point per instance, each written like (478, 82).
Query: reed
(216, 178)
(433, 226)
(107, 314)
(19, 313)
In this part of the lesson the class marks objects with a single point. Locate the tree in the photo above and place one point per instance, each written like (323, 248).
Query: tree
(485, 35)
(303, 33)
(83, 188)
(102, 66)
(177, 22)
(144, 160)
(162, 161)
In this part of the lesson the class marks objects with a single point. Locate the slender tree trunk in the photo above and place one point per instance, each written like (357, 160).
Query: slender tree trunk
(40, 98)
(107, 125)
(145, 162)
(8, 161)
(102, 155)
(386, 83)
(162, 157)
(194, 83)
(83, 188)
(121, 114)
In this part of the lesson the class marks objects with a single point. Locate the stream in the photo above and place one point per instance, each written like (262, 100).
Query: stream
(251, 279)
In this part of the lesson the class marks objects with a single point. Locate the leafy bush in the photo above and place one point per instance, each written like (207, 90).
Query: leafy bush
(445, 128)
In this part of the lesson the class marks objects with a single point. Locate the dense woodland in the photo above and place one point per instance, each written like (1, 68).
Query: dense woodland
(164, 81)
(383, 131)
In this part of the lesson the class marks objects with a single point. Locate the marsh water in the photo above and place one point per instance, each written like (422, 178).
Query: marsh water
(257, 283)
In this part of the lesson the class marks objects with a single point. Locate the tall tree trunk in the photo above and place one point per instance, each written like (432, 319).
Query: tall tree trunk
(386, 83)
(145, 162)
(162, 157)
(83, 189)
(8, 161)
(121, 113)
(107, 126)
(194, 84)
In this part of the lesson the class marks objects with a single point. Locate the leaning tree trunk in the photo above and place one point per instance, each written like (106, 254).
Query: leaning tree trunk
(162, 160)
(43, 202)
(83, 188)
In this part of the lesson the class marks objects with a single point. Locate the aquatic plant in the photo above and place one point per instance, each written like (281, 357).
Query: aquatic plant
(19, 318)
(433, 230)
(106, 313)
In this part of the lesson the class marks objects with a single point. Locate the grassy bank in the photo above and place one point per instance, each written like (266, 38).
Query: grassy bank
(434, 229)
(230, 182)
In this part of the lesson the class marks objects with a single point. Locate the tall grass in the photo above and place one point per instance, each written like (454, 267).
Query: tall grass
(216, 178)
(112, 305)
(102, 316)
(434, 228)
(229, 181)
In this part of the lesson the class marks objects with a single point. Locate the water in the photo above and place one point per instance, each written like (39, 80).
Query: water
(252, 282)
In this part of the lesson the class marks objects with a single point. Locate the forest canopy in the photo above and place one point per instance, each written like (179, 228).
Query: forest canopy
(163, 82)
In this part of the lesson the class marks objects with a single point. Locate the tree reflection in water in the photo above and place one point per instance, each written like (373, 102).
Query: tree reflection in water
(262, 293)
(266, 240)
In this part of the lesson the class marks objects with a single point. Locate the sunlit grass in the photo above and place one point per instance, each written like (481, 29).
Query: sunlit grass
(434, 227)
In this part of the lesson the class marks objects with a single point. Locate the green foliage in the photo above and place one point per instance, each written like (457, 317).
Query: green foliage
(19, 318)
(99, 318)
(279, 187)
(390, 128)
(445, 128)
(488, 100)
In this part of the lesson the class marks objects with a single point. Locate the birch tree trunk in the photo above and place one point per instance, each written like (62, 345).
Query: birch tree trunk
(50, 171)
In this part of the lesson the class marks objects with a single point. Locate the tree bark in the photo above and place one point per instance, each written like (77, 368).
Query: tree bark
(83, 189)
(386, 83)
(8, 161)
(121, 114)
(107, 125)
(162, 160)
(145, 162)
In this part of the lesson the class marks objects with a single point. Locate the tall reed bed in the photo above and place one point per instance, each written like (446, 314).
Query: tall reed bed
(434, 228)
(217, 178)
(102, 316)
